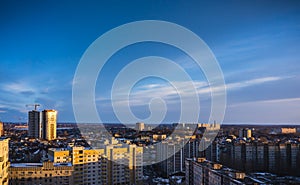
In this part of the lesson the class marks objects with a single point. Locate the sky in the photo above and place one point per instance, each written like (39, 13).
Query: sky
(256, 43)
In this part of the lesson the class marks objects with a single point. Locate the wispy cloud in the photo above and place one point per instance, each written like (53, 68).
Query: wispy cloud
(246, 83)
(15, 95)
(271, 101)
(17, 87)
(239, 85)
(143, 94)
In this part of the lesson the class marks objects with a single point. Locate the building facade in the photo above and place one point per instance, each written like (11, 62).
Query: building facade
(49, 124)
(202, 172)
(124, 164)
(278, 158)
(89, 166)
(111, 164)
(140, 126)
(47, 173)
(4, 163)
(172, 154)
(34, 124)
(59, 155)
(42, 124)
(245, 133)
(1, 129)
(288, 130)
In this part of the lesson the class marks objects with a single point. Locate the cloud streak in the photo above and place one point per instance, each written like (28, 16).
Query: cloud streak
(15, 95)
(271, 101)
(145, 93)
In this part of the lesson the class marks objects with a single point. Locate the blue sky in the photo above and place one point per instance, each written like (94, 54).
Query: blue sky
(256, 44)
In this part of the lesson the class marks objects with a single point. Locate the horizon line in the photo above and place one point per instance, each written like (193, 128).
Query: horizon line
(241, 123)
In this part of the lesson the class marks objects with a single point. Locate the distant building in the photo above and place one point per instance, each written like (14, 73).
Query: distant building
(159, 137)
(34, 124)
(288, 130)
(42, 124)
(209, 126)
(140, 126)
(4, 163)
(1, 129)
(172, 155)
(203, 172)
(49, 124)
(279, 158)
(171, 161)
(245, 133)
(47, 173)
(200, 171)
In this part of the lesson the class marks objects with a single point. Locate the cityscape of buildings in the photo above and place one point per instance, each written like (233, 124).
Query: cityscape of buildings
(45, 152)
(149, 92)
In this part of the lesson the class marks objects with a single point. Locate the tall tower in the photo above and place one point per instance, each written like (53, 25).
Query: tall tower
(34, 124)
(1, 129)
(245, 132)
(140, 126)
(49, 124)
(248, 133)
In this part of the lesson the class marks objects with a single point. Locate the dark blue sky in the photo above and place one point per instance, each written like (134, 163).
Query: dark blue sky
(255, 42)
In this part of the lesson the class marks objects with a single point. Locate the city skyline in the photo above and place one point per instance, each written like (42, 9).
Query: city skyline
(255, 43)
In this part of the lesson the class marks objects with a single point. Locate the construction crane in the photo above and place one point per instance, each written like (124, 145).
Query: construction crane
(35, 105)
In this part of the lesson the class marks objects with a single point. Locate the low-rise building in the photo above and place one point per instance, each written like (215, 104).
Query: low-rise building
(288, 130)
(46, 173)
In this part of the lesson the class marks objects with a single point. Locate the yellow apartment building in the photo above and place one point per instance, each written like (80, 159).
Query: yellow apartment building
(4, 163)
(46, 173)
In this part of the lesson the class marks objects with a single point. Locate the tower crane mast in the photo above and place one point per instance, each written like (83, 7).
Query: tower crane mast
(34, 105)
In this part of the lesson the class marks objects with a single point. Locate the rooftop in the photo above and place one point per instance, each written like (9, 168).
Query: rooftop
(28, 165)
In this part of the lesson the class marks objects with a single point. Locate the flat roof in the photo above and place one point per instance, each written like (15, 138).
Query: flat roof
(26, 165)
(58, 149)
